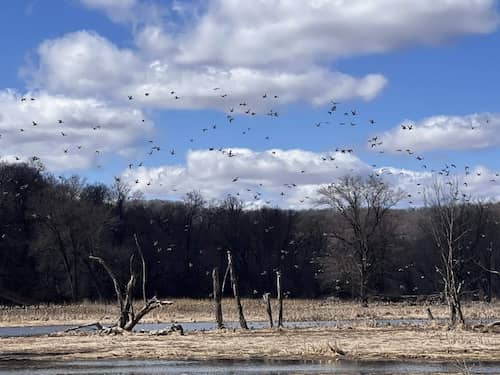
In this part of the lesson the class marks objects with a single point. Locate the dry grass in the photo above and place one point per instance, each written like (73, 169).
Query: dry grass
(359, 341)
(400, 343)
(192, 310)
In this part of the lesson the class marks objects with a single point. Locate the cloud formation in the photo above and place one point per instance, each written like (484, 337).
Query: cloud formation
(65, 133)
(476, 131)
(289, 32)
(247, 48)
(183, 50)
(86, 64)
(275, 175)
(290, 178)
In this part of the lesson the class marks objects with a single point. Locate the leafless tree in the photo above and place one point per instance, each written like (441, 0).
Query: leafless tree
(128, 317)
(455, 222)
(362, 204)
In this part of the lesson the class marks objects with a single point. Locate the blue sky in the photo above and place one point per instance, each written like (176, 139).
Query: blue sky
(428, 64)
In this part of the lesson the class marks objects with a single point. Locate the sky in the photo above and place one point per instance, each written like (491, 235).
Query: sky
(267, 100)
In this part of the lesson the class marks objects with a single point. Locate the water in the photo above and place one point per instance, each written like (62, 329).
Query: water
(200, 326)
(150, 367)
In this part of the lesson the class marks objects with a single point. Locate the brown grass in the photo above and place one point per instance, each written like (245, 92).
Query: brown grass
(402, 343)
(360, 341)
(192, 310)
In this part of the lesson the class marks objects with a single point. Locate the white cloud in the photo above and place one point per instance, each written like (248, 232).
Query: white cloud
(263, 32)
(32, 128)
(86, 64)
(281, 46)
(469, 132)
(260, 178)
(266, 174)
(478, 182)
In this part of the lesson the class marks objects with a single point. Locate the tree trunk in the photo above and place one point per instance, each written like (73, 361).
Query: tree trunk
(280, 299)
(234, 283)
(217, 298)
(362, 287)
(143, 269)
(452, 292)
(363, 273)
(267, 301)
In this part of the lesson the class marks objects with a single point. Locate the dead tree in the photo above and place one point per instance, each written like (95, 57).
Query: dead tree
(143, 270)
(279, 293)
(128, 317)
(217, 298)
(236, 293)
(267, 301)
(455, 224)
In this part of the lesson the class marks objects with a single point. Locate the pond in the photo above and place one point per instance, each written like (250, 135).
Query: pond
(105, 367)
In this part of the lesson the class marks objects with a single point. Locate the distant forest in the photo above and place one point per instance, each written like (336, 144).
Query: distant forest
(50, 225)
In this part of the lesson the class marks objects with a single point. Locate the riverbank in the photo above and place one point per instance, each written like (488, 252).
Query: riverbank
(201, 310)
(356, 343)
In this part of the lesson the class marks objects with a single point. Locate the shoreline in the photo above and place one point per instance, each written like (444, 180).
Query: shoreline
(201, 310)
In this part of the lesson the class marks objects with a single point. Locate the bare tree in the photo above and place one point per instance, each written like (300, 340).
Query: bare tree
(362, 204)
(455, 223)
(128, 317)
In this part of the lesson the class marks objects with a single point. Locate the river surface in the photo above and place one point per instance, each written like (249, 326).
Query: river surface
(205, 326)
(105, 367)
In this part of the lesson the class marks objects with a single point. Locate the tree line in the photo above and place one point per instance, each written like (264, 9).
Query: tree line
(357, 244)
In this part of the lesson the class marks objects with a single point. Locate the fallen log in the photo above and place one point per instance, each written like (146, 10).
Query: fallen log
(98, 326)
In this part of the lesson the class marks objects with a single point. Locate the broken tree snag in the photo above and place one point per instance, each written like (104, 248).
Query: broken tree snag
(150, 305)
(143, 263)
(217, 298)
(226, 274)
(128, 318)
(234, 283)
(269, 311)
(113, 278)
(280, 299)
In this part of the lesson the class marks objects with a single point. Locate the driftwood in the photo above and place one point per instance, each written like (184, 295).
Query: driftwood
(97, 325)
(267, 301)
(336, 350)
(175, 328)
(280, 299)
(486, 327)
(128, 317)
(217, 298)
(234, 283)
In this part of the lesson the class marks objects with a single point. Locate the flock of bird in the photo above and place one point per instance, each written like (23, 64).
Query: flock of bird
(335, 116)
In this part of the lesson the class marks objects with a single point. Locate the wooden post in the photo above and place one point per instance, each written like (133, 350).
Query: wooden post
(280, 299)
(217, 298)
(234, 283)
(267, 300)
